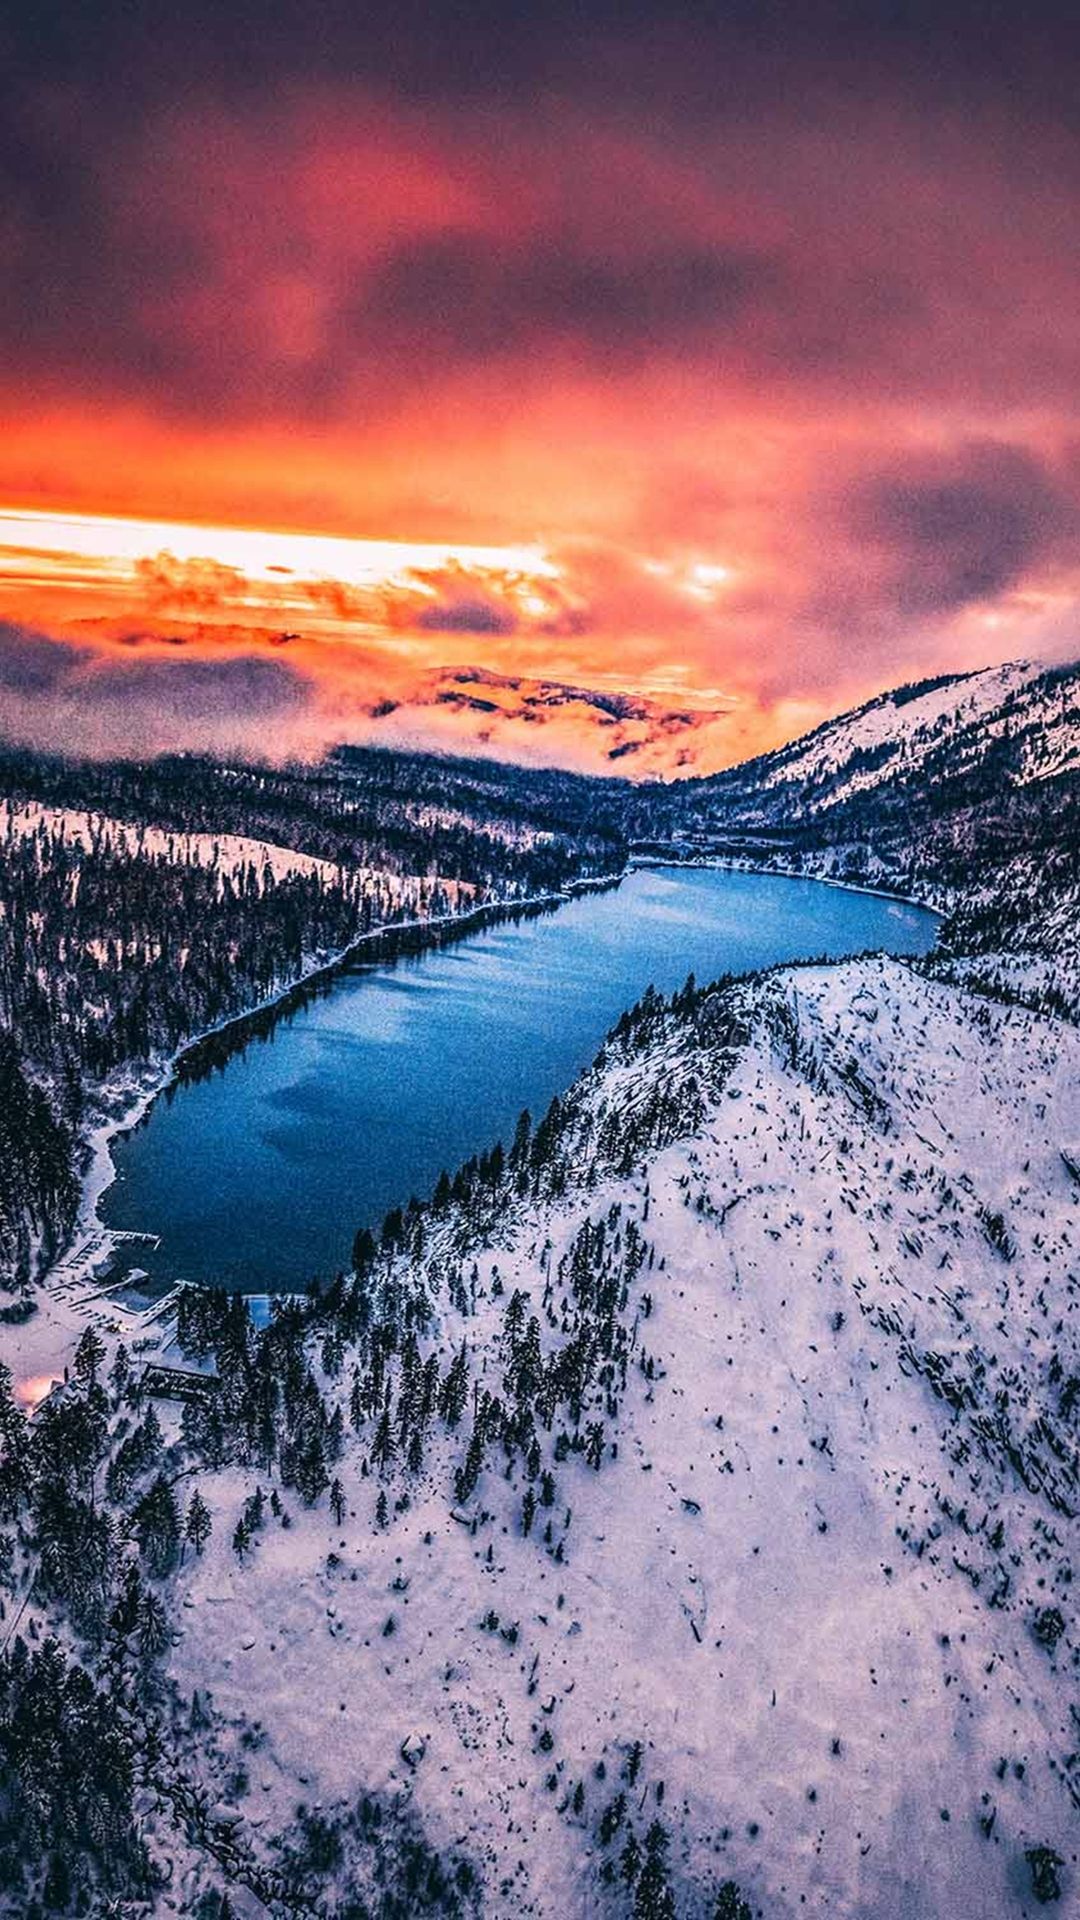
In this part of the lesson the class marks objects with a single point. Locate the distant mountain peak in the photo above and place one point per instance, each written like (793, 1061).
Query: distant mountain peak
(552, 723)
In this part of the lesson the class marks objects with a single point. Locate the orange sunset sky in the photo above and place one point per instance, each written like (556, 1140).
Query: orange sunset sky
(731, 362)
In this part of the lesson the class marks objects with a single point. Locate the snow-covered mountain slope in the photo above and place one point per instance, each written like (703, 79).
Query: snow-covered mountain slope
(1020, 722)
(899, 731)
(232, 856)
(230, 853)
(941, 729)
(800, 1585)
(965, 792)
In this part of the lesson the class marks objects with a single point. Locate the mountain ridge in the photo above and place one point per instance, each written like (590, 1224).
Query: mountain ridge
(983, 773)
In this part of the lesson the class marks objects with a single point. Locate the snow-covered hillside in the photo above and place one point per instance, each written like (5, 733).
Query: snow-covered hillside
(1020, 720)
(964, 792)
(231, 854)
(807, 1601)
(899, 730)
(951, 726)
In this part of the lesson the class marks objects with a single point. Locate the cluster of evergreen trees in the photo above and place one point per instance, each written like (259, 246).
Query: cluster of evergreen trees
(96, 1512)
(404, 813)
(278, 1407)
(638, 1856)
(67, 1778)
(90, 1524)
(109, 952)
(38, 1186)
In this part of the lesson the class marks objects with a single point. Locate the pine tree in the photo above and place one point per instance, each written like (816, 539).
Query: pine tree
(363, 1253)
(198, 1525)
(653, 1898)
(469, 1472)
(730, 1904)
(454, 1392)
(89, 1355)
(309, 1474)
(153, 1627)
(16, 1470)
(120, 1372)
(519, 1152)
(157, 1527)
(514, 1319)
(337, 1501)
(128, 1605)
(382, 1447)
(611, 1819)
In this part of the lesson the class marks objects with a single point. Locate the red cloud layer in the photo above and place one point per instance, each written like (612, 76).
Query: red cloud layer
(829, 348)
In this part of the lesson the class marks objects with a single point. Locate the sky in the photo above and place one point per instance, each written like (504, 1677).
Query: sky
(386, 373)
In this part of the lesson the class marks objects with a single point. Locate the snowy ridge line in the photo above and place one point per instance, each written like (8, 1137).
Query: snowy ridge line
(923, 792)
(968, 716)
(902, 728)
(233, 852)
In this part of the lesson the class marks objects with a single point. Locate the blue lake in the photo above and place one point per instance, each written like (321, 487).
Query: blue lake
(257, 1177)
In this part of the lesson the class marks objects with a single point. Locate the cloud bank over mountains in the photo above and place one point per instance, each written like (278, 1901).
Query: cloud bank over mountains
(761, 331)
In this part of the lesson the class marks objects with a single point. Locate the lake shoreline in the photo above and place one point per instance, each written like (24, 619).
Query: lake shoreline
(125, 1100)
(729, 863)
(283, 1134)
(136, 1092)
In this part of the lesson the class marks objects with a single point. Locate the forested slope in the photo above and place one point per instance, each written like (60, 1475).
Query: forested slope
(140, 904)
